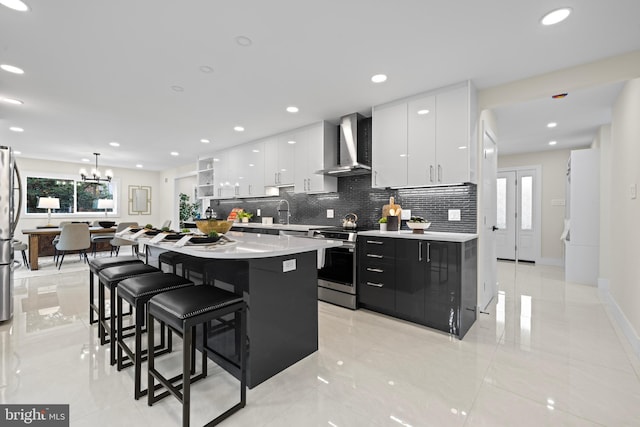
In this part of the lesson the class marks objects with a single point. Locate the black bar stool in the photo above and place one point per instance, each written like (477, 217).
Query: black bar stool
(173, 259)
(137, 291)
(95, 266)
(109, 278)
(182, 310)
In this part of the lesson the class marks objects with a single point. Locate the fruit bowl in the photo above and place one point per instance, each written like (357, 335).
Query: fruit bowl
(418, 227)
(107, 224)
(217, 225)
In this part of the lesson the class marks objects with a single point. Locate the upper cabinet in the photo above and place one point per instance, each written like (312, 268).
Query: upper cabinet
(254, 169)
(315, 149)
(279, 160)
(425, 140)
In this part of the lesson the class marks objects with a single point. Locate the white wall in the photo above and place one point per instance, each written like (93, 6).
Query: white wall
(624, 222)
(181, 179)
(603, 143)
(554, 168)
(125, 177)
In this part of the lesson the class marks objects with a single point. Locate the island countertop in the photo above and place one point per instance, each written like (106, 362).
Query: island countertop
(428, 235)
(248, 246)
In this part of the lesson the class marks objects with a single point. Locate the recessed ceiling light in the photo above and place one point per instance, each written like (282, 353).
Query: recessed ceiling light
(556, 16)
(114, 144)
(462, 147)
(15, 5)
(12, 101)
(206, 69)
(205, 141)
(379, 78)
(177, 88)
(291, 142)
(238, 129)
(251, 165)
(16, 129)
(84, 160)
(255, 150)
(553, 142)
(292, 109)
(17, 152)
(216, 160)
(552, 124)
(12, 69)
(139, 165)
(244, 41)
(174, 153)
(423, 112)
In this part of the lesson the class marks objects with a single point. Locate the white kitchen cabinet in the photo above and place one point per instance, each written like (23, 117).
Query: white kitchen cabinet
(248, 169)
(315, 149)
(389, 146)
(223, 179)
(582, 250)
(425, 140)
(204, 171)
(279, 160)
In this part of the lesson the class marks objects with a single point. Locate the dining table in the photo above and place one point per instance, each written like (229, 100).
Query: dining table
(41, 241)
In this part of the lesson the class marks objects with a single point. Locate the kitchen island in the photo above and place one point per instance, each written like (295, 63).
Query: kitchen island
(278, 277)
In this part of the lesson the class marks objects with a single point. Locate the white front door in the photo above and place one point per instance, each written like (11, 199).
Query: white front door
(518, 214)
(489, 170)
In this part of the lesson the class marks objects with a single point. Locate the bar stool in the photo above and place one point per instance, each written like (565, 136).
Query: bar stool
(97, 265)
(182, 310)
(137, 291)
(173, 259)
(109, 278)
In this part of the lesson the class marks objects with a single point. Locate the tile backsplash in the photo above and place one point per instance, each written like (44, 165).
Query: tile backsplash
(355, 195)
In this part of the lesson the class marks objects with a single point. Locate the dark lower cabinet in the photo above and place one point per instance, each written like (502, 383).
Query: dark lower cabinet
(433, 283)
(376, 274)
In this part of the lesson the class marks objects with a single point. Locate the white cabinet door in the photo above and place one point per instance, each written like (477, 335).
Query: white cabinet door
(249, 169)
(421, 155)
(389, 146)
(279, 160)
(315, 150)
(452, 136)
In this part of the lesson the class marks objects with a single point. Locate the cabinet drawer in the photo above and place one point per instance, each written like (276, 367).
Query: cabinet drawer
(378, 274)
(376, 248)
(376, 295)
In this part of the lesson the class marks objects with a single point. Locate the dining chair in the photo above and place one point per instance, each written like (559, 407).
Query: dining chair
(116, 242)
(74, 237)
(56, 239)
(99, 237)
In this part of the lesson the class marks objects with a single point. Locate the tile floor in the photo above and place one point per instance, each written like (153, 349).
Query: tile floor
(546, 354)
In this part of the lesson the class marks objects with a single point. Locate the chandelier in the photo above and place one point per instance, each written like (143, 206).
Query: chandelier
(95, 175)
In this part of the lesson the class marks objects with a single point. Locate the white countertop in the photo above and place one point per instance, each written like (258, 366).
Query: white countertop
(428, 235)
(292, 227)
(249, 245)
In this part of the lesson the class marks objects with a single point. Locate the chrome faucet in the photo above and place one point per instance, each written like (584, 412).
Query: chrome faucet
(280, 210)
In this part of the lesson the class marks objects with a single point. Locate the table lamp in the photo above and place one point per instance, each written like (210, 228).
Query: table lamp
(49, 203)
(105, 204)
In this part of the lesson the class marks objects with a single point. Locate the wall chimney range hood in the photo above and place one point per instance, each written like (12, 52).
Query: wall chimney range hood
(354, 147)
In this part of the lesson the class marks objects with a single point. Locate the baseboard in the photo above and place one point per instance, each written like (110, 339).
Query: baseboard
(558, 262)
(619, 316)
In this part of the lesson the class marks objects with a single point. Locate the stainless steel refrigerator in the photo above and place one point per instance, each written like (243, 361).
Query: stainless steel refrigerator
(7, 218)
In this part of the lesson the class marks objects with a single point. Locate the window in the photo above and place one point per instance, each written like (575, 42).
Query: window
(527, 203)
(76, 197)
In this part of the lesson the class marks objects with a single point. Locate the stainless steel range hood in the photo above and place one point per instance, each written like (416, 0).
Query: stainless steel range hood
(355, 147)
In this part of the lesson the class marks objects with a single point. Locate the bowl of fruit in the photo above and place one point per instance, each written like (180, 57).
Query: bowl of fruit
(418, 224)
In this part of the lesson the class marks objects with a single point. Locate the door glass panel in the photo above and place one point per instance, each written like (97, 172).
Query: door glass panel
(527, 203)
(501, 196)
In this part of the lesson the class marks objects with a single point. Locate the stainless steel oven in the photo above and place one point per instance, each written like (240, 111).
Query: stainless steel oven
(337, 268)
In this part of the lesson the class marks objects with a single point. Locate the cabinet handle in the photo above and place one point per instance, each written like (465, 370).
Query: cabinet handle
(377, 285)
(428, 252)
(250, 192)
(374, 256)
(375, 270)
(375, 178)
(375, 242)
(439, 173)
(419, 251)
(431, 173)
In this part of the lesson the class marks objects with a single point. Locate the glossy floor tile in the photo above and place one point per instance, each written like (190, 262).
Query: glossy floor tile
(546, 353)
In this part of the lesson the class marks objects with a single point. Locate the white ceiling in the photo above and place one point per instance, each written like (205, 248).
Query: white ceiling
(102, 71)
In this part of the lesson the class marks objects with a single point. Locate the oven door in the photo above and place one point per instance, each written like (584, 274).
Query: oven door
(339, 270)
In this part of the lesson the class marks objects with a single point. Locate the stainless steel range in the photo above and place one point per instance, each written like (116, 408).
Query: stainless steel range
(337, 274)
